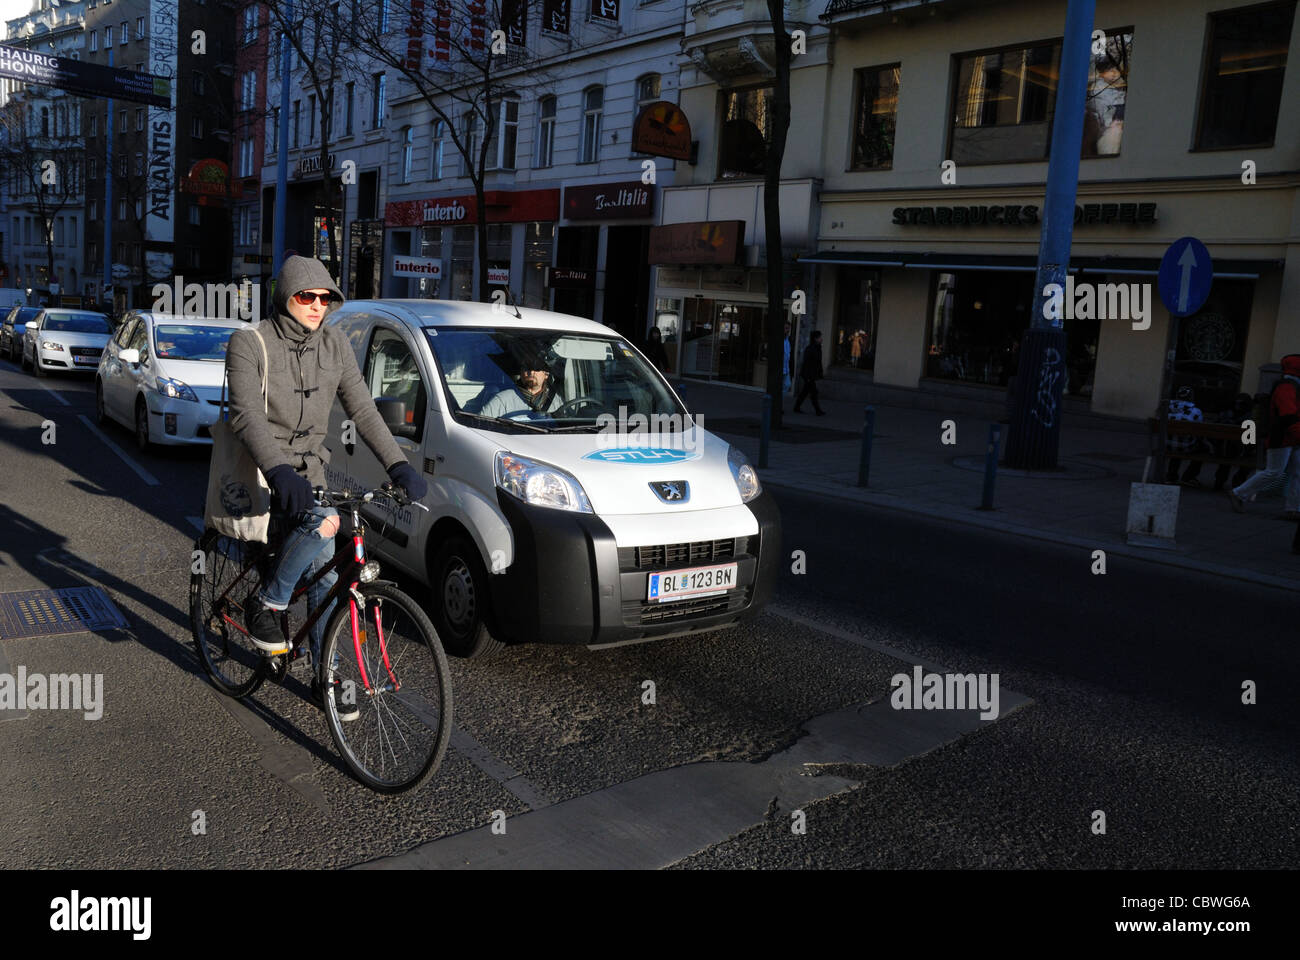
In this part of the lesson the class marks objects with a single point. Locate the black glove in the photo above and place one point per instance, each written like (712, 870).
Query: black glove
(405, 475)
(292, 492)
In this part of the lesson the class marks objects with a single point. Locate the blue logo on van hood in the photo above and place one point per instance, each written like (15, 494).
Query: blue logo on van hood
(654, 455)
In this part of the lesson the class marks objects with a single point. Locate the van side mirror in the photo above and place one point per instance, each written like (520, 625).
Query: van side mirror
(394, 413)
(131, 356)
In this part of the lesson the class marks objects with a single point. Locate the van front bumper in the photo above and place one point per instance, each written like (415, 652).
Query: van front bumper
(570, 582)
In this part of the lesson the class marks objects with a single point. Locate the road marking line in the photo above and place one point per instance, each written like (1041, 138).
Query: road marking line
(54, 393)
(143, 474)
(515, 783)
(838, 634)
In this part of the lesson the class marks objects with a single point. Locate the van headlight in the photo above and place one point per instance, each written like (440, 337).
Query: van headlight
(540, 484)
(743, 472)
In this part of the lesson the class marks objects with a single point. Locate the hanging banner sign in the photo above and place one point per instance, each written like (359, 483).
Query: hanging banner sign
(415, 35)
(555, 15)
(162, 146)
(662, 130)
(441, 51)
(87, 79)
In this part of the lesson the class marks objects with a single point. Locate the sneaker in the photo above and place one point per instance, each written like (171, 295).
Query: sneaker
(1237, 503)
(346, 711)
(263, 626)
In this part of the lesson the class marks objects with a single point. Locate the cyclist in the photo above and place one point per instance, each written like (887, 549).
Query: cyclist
(309, 365)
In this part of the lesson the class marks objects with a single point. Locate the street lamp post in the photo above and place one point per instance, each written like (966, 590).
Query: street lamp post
(1034, 436)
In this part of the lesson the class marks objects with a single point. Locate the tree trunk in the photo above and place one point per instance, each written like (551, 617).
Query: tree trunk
(772, 215)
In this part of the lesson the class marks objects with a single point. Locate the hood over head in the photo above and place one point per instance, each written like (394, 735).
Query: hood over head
(1291, 365)
(296, 275)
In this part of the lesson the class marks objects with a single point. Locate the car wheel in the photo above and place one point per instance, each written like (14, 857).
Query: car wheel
(460, 600)
(142, 426)
(36, 366)
(101, 415)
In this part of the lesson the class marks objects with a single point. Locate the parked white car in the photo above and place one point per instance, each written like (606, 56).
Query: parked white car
(62, 339)
(161, 376)
(592, 535)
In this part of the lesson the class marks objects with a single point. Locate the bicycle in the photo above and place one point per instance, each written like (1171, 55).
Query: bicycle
(379, 647)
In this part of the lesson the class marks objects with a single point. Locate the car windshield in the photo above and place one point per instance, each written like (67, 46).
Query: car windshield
(191, 341)
(76, 323)
(549, 379)
(26, 314)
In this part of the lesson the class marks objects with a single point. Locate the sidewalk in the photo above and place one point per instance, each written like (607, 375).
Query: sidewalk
(1085, 504)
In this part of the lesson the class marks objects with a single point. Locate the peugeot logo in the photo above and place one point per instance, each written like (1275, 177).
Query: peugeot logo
(671, 491)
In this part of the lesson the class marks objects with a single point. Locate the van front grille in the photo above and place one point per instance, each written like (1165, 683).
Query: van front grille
(665, 556)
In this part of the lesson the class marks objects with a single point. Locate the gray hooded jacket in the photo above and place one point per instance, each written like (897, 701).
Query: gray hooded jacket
(308, 369)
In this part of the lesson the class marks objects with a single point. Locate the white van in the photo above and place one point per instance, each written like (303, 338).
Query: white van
(604, 513)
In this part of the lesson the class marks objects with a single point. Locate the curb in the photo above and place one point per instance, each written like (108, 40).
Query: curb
(1116, 549)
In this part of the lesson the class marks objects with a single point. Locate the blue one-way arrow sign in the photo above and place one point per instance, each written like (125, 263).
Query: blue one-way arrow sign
(1186, 275)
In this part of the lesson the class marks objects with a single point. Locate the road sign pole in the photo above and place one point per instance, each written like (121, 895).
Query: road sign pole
(1034, 436)
(108, 193)
(1184, 281)
(282, 152)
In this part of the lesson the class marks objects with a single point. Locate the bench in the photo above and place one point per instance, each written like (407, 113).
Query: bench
(1161, 429)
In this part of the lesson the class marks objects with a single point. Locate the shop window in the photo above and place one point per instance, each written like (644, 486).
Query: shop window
(873, 126)
(498, 251)
(746, 125)
(1211, 349)
(462, 263)
(431, 247)
(539, 242)
(857, 319)
(1241, 91)
(977, 320)
(1004, 101)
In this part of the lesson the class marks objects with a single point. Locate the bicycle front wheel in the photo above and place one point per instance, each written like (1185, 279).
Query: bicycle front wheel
(399, 684)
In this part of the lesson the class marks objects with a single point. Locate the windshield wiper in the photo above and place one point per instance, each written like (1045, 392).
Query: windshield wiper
(521, 424)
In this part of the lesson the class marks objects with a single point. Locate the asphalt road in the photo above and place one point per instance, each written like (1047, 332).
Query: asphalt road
(1135, 678)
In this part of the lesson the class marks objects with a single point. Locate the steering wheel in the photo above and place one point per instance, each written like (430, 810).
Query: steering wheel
(570, 407)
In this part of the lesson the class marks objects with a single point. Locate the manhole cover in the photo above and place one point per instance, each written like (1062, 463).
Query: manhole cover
(38, 613)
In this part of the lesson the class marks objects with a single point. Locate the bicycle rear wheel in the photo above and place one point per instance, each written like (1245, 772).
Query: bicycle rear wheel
(405, 724)
(227, 575)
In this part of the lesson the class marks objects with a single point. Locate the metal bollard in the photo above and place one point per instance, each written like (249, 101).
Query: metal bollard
(765, 431)
(868, 434)
(991, 465)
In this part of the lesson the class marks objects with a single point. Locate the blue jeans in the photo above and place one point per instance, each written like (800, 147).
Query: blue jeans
(305, 551)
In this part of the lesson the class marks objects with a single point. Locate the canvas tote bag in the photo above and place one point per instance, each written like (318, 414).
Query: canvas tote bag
(238, 504)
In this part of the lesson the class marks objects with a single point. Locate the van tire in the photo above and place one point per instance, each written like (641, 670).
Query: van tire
(458, 601)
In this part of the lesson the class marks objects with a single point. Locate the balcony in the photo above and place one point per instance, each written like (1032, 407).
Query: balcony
(731, 39)
(897, 11)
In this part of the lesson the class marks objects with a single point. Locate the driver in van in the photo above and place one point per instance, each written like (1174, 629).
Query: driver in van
(534, 394)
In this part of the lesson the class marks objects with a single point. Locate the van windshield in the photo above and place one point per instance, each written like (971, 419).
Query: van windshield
(530, 379)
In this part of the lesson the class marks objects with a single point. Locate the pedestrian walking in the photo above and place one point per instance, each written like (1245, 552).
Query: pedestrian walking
(655, 351)
(811, 371)
(785, 360)
(1281, 443)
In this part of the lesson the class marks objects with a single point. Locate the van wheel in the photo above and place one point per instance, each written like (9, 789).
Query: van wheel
(459, 601)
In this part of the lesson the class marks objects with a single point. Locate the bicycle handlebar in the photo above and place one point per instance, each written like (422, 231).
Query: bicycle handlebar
(388, 491)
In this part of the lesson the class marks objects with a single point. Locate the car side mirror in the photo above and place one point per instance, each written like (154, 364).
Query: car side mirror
(129, 355)
(394, 413)
(29, 326)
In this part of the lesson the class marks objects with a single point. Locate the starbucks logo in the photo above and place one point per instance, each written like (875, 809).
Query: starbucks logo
(1209, 337)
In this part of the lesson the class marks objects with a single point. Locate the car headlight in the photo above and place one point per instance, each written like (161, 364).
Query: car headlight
(743, 472)
(540, 484)
(51, 345)
(175, 389)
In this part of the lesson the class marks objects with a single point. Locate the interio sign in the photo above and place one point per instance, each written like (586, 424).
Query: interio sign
(426, 267)
(503, 206)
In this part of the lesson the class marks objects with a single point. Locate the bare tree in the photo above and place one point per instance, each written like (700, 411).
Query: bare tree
(316, 31)
(463, 68)
(46, 162)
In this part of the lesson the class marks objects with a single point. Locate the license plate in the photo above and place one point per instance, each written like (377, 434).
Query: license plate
(692, 582)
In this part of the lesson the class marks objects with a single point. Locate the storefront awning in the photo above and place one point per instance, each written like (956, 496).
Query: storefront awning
(1229, 269)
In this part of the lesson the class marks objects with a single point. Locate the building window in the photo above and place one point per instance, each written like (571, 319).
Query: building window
(94, 41)
(45, 121)
(121, 121)
(349, 108)
(593, 105)
(197, 84)
(436, 148)
(873, 127)
(126, 33)
(196, 127)
(92, 168)
(545, 132)
(311, 118)
(539, 245)
(1241, 89)
(139, 28)
(746, 125)
(248, 91)
(250, 23)
(121, 166)
(1005, 99)
(94, 125)
(507, 134)
(647, 92)
(378, 88)
(139, 209)
(196, 216)
(121, 209)
(92, 212)
(275, 130)
(297, 122)
(469, 140)
(408, 152)
(139, 164)
(108, 36)
(139, 119)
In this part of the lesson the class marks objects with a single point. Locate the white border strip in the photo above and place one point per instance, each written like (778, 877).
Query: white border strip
(141, 472)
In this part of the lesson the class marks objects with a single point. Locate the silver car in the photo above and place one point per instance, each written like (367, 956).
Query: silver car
(60, 339)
